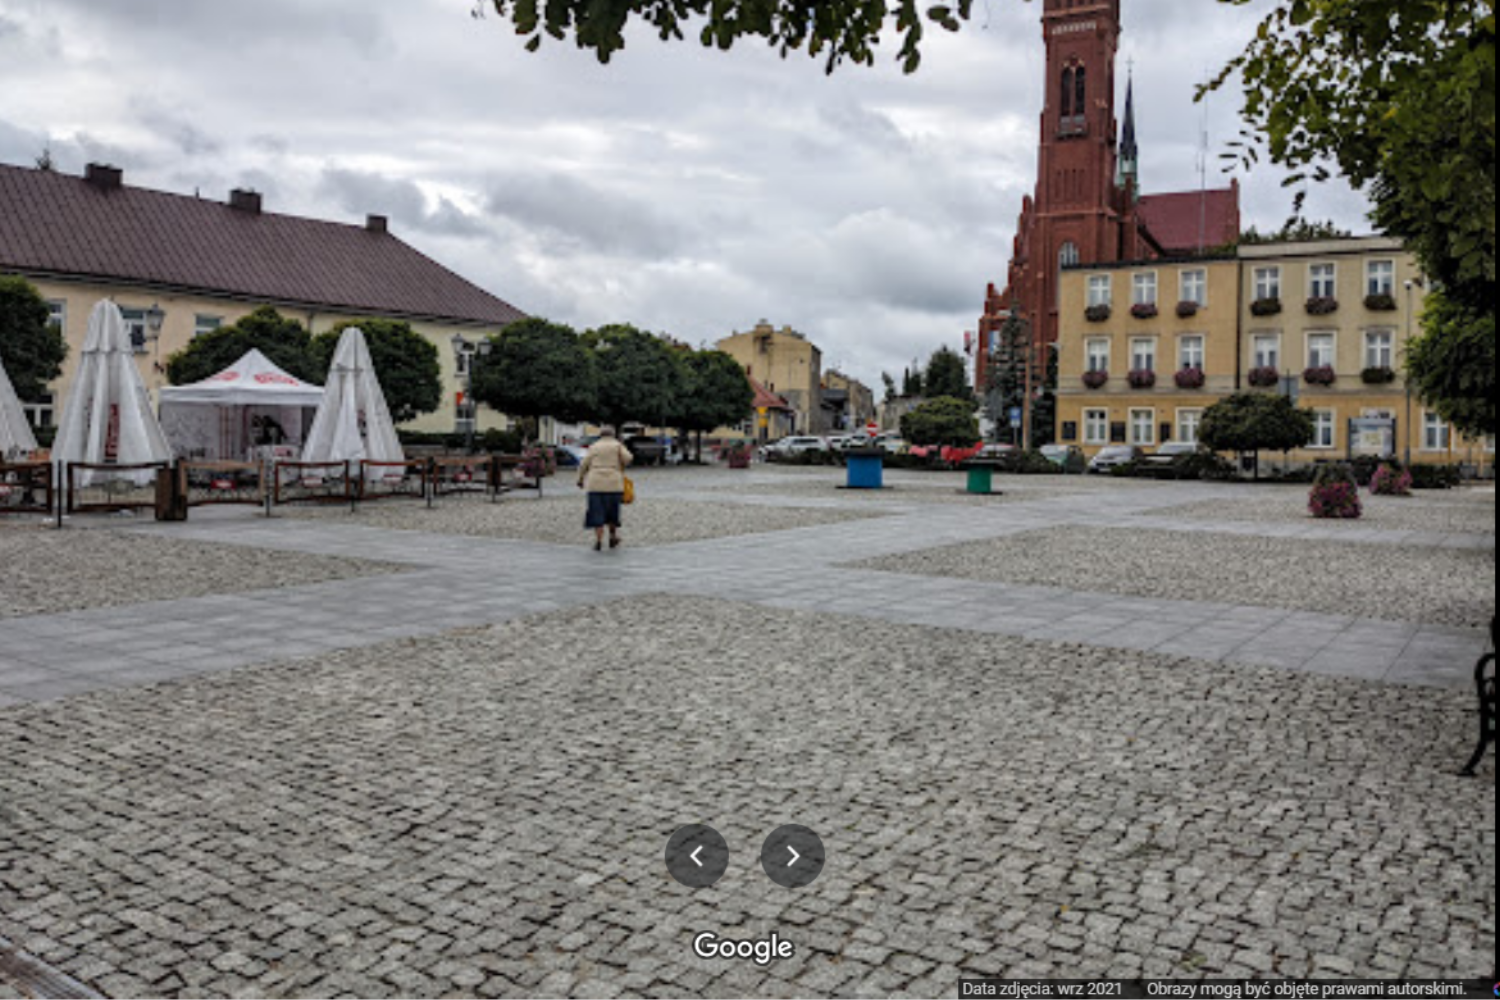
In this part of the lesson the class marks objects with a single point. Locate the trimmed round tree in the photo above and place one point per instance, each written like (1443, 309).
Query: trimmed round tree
(406, 363)
(1251, 422)
(31, 349)
(715, 393)
(639, 375)
(284, 341)
(535, 369)
(941, 421)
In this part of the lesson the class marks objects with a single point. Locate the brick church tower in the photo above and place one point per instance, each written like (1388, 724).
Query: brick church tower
(1087, 207)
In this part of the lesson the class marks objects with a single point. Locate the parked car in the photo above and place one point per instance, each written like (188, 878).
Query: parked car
(1007, 457)
(890, 442)
(1167, 461)
(794, 445)
(1069, 457)
(1114, 455)
(569, 456)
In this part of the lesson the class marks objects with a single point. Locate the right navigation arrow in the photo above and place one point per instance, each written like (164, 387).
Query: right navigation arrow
(795, 856)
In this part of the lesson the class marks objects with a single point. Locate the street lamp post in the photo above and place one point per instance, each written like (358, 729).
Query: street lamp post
(1409, 285)
(462, 348)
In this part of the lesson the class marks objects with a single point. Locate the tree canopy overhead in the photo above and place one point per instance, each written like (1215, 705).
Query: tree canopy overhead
(31, 349)
(834, 30)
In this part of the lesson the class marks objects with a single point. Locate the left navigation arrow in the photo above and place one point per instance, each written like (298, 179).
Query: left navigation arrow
(697, 856)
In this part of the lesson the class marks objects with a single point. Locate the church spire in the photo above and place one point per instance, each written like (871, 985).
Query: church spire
(1129, 168)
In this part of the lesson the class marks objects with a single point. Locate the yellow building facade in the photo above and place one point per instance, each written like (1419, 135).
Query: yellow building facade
(1325, 322)
(787, 364)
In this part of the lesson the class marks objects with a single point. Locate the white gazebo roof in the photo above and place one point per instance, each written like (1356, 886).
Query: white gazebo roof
(253, 380)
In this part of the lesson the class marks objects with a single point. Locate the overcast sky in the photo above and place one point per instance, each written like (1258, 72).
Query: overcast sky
(686, 191)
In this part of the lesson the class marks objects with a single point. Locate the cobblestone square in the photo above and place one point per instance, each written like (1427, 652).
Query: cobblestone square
(459, 778)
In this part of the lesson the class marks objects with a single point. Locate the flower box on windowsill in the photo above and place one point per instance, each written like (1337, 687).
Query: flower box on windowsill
(1097, 313)
(1095, 380)
(1380, 302)
(1378, 375)
(1323, 375)
(1187, 308)
(1265, 307)
(1144, 310)
(1322, 305)
(1142, 378)
(1264, 377)
(1190, 378)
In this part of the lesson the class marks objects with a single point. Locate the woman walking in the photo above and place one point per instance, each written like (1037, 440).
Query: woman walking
(602, 475)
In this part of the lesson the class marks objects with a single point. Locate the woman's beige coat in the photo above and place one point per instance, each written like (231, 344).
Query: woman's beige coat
(603, 468)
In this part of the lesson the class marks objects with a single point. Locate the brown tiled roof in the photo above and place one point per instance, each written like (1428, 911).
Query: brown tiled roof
(767, 400)
(1172, 219)
(59, 225)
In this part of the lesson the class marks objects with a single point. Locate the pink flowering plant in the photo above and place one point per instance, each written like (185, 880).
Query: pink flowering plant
(1336, 501)
(1391, 481)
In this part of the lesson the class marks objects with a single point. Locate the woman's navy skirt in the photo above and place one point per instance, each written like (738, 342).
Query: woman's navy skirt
(604, 509)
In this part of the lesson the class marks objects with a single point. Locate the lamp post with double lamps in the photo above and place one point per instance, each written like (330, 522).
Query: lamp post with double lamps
(465, 355)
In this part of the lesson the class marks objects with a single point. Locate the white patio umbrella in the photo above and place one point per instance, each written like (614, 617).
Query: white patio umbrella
(107, 419)
(16, 438)
(353, 421)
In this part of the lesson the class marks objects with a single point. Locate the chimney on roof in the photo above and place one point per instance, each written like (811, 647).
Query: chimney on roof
(245, 200)
(104, 177)
(376, 223)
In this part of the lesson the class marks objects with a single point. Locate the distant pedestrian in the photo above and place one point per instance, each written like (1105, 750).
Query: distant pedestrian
(602, 475)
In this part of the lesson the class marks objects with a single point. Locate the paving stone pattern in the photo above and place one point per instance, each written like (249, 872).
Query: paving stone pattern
(1440, 586)
(484, 813)
(1468, 511)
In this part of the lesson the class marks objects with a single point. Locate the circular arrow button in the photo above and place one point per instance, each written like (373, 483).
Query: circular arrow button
(697, 856)
(792, 856)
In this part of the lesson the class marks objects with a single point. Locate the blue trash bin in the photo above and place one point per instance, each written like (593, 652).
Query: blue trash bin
(866, 469)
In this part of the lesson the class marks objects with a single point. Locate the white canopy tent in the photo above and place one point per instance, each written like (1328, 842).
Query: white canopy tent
(353, 421)
(107, 419)
(16, 439)
(251, 403)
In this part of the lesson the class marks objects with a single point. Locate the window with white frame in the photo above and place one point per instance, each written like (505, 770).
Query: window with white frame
(39, 413)
(1380, 277)
(1100, 292)
(1268, 282)
(1266, 348)
(57, 314)
(1380, 349)
(1320, 348)
(204, 323)
(464, 416)
(1096, 352)
(135, 328)
(463, 359)
(1096, 427)
(1436, 434)
(1321, 281)
(1143, 288)
(1195, 286)
(1323, 429)
(1190, 351)
(1143, 354)
(1143, 427)
(1068, 255)
(1188, 424)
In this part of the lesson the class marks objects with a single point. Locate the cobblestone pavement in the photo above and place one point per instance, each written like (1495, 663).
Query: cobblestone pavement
(1467, 511)
(1443, 586)
(485, 813)
(434, 782)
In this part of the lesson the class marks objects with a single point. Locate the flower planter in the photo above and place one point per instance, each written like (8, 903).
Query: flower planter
(1265, 307)
(1144, 310)
(1380, 302)
(1322, 305)
(1378, 376)
(1142, 378)
(1095, 380)
(1323, 375)
(1187, 308)
(1190, 378)
(1097, 313)
(1264, 378)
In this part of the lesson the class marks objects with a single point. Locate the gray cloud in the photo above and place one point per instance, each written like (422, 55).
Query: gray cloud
(571, 215)
(360, 193)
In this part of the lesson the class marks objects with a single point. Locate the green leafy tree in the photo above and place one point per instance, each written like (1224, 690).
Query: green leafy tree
(1251, 422)
(1400, 96)
(284, 341)
(715, 393)
(911, 383)
(31, 349)
(941, 421)
(536, 368)
(639, 376)
(406, 363)
(1297, 230)
(890, 386)
(946, 375)
(850, 29)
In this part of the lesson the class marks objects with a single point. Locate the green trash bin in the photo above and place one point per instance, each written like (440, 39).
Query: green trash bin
(981, 479)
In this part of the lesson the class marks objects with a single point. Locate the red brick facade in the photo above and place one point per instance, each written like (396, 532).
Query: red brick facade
(1086, 208)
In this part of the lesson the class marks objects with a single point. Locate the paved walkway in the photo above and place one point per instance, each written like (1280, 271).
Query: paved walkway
(464, 581)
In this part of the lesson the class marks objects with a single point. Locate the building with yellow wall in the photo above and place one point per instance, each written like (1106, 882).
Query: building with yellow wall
(1325, 322)
(788, 365)
(180, 266)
